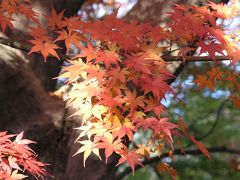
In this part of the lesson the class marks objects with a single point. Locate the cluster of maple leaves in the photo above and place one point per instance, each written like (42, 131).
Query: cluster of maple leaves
(118, 78)
(16, 157)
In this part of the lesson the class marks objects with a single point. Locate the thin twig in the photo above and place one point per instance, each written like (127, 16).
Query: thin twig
(219, 110)
(220, 149)
(194, 58)
(211, 130)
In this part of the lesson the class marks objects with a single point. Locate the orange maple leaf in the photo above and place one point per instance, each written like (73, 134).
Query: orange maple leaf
(132, 159)
(56, 20)
(69, 38)
(28, 12)
(110, 145)
(203, 81)
(44, 47)
(236, 101)
(5, 22)
(200, 146)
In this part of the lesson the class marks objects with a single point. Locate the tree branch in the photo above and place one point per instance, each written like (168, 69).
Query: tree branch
(220, 149)
(211, 130)
(14, 44)
(25, 48)
(194, 58)
(218, 115)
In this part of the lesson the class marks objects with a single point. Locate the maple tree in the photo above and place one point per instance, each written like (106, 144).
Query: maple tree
(119, 76)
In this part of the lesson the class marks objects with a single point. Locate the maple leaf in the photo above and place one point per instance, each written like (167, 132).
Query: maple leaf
(72, 23)
(154, 105)
(28, 12)
(5, 22)
(144, 150)
(56, 20)
(133, 100)
(83, 91)
(118, 74)
(138, 63)
(89, 52)
(74, 71)
(95, 71)
(200, 146)
(236, 101)
(13, 163)
(127, 129)
(138, 118)
(98, 111)
(212, 48)
(225, 11)
(208, 17)
(109, 144)
(118, 85)
(162, 126)
(107, 57)
(163, 167)
(69, 38)
(152, 51)
(234, 55)
(87, 148)
(111, 102)
(19, 157)
(132, 159)
(156, 85)
(39, 33)
(15, 175)
(19, 140)
(84, 130)
(203, 81)
(215, 73)
(10, 6)
(44, 47)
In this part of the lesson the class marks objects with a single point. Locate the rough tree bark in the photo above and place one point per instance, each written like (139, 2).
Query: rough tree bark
(25, 104)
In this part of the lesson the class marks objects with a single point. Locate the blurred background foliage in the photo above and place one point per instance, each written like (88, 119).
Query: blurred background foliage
(213, 119)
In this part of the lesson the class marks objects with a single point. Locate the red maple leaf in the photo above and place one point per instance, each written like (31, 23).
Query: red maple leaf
(211, 48)
(69, 38)
(162, 126)
(133, 100)
(44, 47)
(236, 101)
(28, 12)
(16, 154)
(56, 20)
(39, 33)
(138, 63)
(107, 57)
(5, 22)
(107, 99)
(132, 159)
(200, 146)
(89, 52)
(10, 6)
(156, 85)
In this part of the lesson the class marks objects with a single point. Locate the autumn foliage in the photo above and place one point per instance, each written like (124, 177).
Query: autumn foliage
(16, 157)
(119, 77)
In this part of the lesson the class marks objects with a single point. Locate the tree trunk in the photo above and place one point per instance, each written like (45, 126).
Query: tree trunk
(26, 105)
